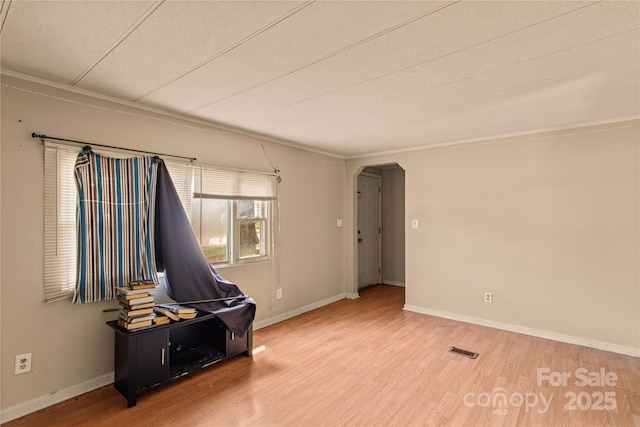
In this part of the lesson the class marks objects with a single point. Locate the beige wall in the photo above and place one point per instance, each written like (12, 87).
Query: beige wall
(71, 343)
(549, 223)
(393, 258)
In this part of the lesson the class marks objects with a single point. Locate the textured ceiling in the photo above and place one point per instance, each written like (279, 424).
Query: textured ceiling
(349, 78)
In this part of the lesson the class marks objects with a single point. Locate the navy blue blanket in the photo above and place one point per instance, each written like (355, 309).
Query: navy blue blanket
(188, 274)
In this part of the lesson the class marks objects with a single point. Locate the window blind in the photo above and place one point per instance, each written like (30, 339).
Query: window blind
(59, 223)
(231, 184)
(182, 177)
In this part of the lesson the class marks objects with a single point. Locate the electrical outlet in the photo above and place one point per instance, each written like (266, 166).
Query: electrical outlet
(23, 363)
(279, 293)
(488, 297)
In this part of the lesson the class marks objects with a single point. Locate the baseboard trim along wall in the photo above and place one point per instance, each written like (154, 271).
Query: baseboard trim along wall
(33, 405)
(393, 283)
(293, 313)
(568, 339)
(58, 396)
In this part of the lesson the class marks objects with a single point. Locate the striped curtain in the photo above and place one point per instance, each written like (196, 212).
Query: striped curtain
(115, 223)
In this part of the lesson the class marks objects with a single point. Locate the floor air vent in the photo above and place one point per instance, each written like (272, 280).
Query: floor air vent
(469, 354)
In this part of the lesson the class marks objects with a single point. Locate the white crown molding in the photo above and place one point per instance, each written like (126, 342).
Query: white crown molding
(155, 110)
(292, 144)
(498, 137)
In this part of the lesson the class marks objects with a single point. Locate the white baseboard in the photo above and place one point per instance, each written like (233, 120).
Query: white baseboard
(33, 405)
(393, 283)
(354, 295)
(293, 313)
(554, 336)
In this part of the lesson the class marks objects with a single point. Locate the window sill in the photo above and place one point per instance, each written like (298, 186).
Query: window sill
(241, 263)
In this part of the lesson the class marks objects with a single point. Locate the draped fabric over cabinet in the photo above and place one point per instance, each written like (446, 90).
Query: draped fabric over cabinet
(115, 223)
(188, 274)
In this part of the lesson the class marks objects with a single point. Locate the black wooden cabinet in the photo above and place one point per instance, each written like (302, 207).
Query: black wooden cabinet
(150, 357)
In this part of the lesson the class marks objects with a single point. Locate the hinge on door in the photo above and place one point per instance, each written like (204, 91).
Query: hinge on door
(379, 191)
(379, 230)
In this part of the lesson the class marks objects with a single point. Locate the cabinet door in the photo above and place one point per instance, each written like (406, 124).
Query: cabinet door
(152, 359)
(236, 344)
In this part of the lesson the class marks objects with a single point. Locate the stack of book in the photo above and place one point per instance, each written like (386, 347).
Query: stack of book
(176, 312)
(136, 306)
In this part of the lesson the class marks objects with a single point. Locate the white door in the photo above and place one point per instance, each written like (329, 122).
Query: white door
(369, 232)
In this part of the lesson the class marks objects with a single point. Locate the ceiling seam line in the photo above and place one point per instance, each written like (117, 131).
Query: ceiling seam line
(118, 42)
(396, 71)
(228, 49)
(505, 90)
(514, 64)
(583, 71)
(418, 64)
(335, 53)
(6, 13)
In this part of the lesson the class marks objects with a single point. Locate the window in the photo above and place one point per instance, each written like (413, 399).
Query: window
(251, 220)
(210, 221)
(229, 211)
(217, 221)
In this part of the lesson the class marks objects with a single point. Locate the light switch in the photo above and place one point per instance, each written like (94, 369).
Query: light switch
(414, 224)
(339, 223)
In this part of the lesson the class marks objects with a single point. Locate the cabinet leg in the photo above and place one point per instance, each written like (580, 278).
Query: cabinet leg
(249, 351)
(131, 401)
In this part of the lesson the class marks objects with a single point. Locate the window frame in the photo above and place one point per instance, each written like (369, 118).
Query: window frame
(234, 194)
(233, 225)
(264, 237)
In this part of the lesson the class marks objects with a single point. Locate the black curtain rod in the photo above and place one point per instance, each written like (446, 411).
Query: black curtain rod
(43, 137)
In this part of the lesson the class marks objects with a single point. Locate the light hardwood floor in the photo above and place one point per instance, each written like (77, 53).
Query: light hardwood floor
(366, 362)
